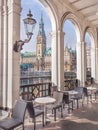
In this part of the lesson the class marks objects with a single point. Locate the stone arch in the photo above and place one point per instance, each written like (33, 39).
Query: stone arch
(91, 33)
(51, 12)
(93, 51)
(79, 46)
(74, 20)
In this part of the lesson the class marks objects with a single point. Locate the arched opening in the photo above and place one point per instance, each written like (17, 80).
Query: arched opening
(74, 39)
(90, 56)
(36, 55)
(70, 41)
(37, 60)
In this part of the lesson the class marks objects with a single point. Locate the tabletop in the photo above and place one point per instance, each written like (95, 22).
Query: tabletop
(91, 88)
(71, 92)
(45, 100)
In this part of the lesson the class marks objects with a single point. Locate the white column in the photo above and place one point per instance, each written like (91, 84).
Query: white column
(54, 58)
(60, 60)
(13, 57)
(96, 68)
(5, 59)
(93, 59)
(81, 63)
(1, 41)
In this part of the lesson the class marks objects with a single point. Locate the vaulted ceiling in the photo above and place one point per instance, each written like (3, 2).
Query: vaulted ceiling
(89, 8)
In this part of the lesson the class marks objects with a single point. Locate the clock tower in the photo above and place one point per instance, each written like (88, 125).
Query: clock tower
(41, 45)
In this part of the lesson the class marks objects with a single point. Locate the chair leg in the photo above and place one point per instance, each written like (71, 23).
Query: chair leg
(23, 126)
(61, 112)
(77, 104)
(82, 103)
(68, 108)
(72, 105)
(34, 124)
(43, 119)
(95, 96)
(52, 111)
(54, 114)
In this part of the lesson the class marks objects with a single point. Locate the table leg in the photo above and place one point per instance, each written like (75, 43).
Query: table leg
(45, 114)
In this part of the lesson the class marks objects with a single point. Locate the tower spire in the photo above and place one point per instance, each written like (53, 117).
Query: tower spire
(41, 26)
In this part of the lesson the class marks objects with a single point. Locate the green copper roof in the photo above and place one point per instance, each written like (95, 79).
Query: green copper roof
(48, 51)
(33, 54)
(28, 54)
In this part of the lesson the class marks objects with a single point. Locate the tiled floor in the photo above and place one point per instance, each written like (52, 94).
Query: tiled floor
(80, 119)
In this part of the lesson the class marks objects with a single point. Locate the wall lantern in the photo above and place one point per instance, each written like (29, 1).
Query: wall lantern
(29, 24)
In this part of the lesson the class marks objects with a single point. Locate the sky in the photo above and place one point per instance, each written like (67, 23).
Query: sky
(37, 8)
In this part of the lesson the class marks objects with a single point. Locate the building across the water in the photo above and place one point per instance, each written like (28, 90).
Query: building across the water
(41, 59)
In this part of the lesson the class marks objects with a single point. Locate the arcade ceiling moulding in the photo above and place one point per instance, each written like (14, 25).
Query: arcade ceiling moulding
(87, 8)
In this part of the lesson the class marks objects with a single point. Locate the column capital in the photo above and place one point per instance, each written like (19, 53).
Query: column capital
(53, 33)
(5, 10)
(1, 9)
(61, 32)
(83, 42)
(78, 44)
(14, 7)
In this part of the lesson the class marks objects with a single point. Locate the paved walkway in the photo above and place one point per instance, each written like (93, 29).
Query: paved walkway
(80, 119)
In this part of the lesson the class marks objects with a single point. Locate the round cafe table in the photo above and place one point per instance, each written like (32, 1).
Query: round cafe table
(91, 88)
(71, 93)
(44, 101)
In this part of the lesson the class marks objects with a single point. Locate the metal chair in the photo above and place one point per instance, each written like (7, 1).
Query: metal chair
(78, 96)
(96, 93)
(58, 104)
(33, 112)
(67, 101)
(17, 118)
(86, 94)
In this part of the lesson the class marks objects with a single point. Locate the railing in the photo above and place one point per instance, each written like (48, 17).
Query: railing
(30, 92)
(70, 84)
(26, 80)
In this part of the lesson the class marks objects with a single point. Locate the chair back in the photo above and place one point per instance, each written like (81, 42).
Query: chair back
(66, 98)
(19, 110)
(30, 109)
(85, 92)
(55, 94)
(79, 90)
(92, 80)
(59, 97)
